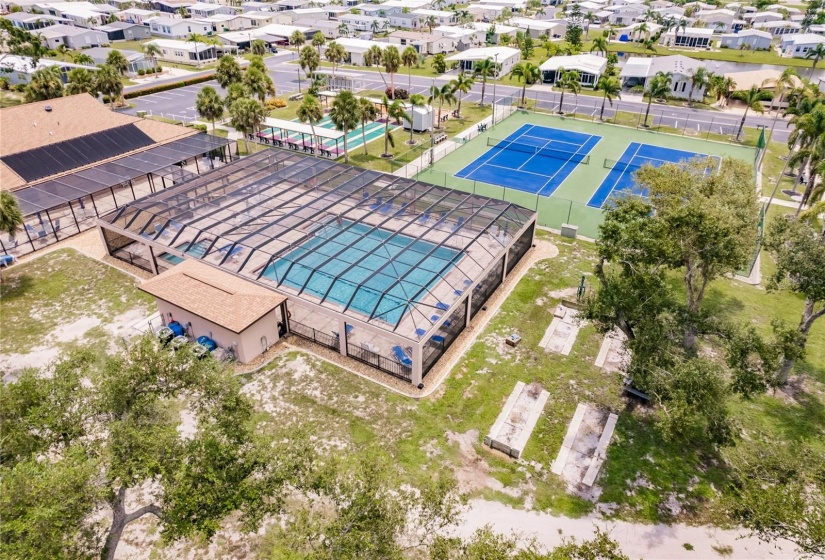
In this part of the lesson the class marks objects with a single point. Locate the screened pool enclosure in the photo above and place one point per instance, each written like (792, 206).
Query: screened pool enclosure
(383, 269)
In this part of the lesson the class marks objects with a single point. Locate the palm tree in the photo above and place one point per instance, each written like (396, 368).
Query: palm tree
(298, 38)
(246, 116)
(568, 79)
(392, 61)
(318, 41)
(368, 113)
(441, 94)
(528, 73)
(611, 87)
(233, 93)
(257, 62)
(649, 45)
(681, 24)
(62, 50)
(431, 22)
(310, 111)
(808, 129)
(309, 61)
(815, 53)
(228, 71)
(258, 47)
(461, 85)
(728, 86)
(642, 29)
(45, 83)
(335, 54)
(787, 80)
(258, 83)
(752, 98)
(599, 45)
(484, 68)
(375, 26)
(183, 12)
(209, 105)
(408, 58)
(152, 52)
(415, 100)
(392, 110)
(108, 82)
(81, 81)
(373, 57)
(116, 60)
(658, 87)
(345, 115)
(343, 29)
(11, 217)
(196, 38)
(698, 79)
(84, 59)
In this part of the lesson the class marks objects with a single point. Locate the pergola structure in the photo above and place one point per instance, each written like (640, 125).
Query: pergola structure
(383, 269)
(285, 134)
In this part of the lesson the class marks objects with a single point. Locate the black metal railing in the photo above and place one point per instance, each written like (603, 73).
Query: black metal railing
(322, 338)
(387, 365)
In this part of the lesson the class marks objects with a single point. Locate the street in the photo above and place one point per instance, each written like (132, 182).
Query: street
(180, 103)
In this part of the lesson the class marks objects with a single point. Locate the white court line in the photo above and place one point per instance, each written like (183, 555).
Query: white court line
(616, 182)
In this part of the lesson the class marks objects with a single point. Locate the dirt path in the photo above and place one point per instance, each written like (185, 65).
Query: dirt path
(651, 542)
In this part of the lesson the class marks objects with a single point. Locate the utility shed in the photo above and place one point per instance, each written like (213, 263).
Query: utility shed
(207, 301)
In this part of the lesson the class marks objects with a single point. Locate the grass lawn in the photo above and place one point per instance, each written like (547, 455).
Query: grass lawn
(58, 288)
(772, 165)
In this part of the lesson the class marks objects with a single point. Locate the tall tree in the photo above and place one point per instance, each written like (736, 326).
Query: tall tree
(246, 116)
(228, 71)
(84, 59)
(233, 93)
(752, 98)
(11, 217)
(567, 80)
(209, 105)
(152, 52)
(335, 54)
(258, 83)
(368, 113)
(611, 87)
(528, 73)
(393, 110)
(116, 60)
(318, 41)
(409, 58)
(698, 80)
(108, 82)
(443, 94)
(83, 437)
(257, 47)
(658, 87)
(81, 80)
(344, 114)
(391, 59)
(798, 248)
(484, 69)
(816, 53)
(461, 85)
(197, 39)
(415, 100)
(45, 83)
(311, 112)
(599, 45)
(309, 61)
(297, 39)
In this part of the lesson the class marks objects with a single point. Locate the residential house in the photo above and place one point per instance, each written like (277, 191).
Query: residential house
(779, 28)
(485, 12)
(798, 46)
(752, 39)
(19, 69)
(625, 15)
(407, 20)
(170, 6)
(589, 66)
(637, 70)
(721, 20)
(125, 4)
(762, 17)
(632, 32)
(494, 31)
(185, 52)
(554, 29)
(424, 43)
(79, 14)
(441, 17)
(204, 10)
(30, 22)
(73, 37)
(283, 5)
(355, 48)
(136, 60)
(136, 15)
(122, 31)
(505, 57)
(172, 28)
(692, 37)
(326, 27)
(465, 37)
(258, 7)
(363, 23)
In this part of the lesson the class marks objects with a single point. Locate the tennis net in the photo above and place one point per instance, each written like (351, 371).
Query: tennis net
(538, 150)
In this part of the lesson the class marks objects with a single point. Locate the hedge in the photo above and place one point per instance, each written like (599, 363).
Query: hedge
(167, 87)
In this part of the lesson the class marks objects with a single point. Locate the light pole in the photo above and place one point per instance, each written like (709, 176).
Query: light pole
(495, 79)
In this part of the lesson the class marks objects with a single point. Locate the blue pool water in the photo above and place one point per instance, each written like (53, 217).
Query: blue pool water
(379, 257)
(197, 250)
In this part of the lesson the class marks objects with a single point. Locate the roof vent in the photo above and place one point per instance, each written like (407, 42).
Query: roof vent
(48, 108)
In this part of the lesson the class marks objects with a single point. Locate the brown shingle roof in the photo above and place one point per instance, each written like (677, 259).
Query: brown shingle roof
(213, 294)
(29, 126)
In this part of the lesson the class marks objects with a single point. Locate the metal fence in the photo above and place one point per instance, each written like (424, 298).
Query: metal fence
(387, 365)
(309, 333)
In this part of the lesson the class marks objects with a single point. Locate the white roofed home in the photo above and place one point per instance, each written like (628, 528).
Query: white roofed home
(173, 28)
(778, 28)
(692, 37)
(185, 52)
(554, 28)
(441, 17)
(721, 20)
(73, 37)
(637, 70)
(355, 48)
(505, 57)
(798, 46)
(424, 43)
(589, 67)
(356, 22)
(751, 39)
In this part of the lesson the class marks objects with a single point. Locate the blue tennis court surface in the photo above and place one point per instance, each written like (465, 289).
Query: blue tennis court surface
(620, 179)
(535, 159)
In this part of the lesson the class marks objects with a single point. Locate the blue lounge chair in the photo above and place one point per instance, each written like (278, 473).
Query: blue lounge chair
(442, 306)
(236, 252)
(379, 202)
(34, 233)
(386, 208)
(425, 217)
(6, 260)
(365, 195)
(57, 225)
(438, 339)
(225, 248)
(420, 332)
(402, 209)
(441, 219)
(401, 356)
(459, 223)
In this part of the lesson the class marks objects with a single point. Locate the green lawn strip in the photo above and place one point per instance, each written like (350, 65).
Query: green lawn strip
(59, 288)
(772, 165)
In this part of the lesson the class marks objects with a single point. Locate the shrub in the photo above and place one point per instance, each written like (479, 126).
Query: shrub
(201, 127)
(141, 71)
(167, 87)
(275, 103)
(400, 93)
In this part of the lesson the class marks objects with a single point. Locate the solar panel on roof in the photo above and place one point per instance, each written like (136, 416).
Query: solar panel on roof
(77, 152)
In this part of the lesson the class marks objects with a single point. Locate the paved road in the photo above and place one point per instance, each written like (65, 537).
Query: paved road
(179, 103)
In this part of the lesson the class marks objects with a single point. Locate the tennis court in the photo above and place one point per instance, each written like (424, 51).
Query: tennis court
(535, 159)
(620, 181)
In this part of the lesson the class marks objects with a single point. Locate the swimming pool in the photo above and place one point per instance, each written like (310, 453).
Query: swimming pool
(376, 259)
(197, 250)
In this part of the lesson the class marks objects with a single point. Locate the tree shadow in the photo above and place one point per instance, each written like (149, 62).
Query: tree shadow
(717, 303)
(14, 287)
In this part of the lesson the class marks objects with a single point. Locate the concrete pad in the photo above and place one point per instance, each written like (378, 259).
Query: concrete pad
(562, 332)
(569, 439)
(601, 451)
(613, 356)
(517, 420)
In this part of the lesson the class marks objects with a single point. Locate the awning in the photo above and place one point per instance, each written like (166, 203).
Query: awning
(301, 128)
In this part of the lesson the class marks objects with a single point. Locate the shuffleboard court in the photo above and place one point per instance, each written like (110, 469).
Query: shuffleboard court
(620, 181)
(534, 159)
